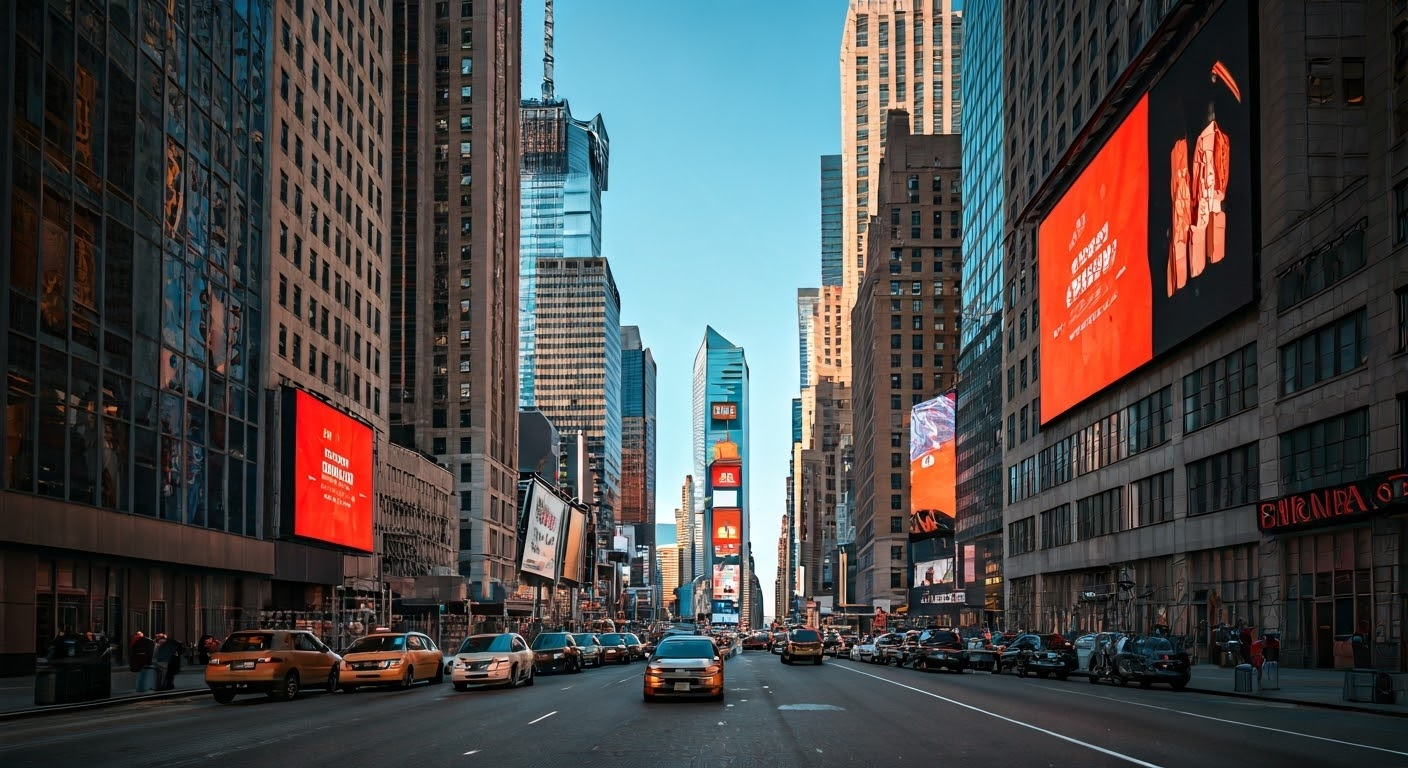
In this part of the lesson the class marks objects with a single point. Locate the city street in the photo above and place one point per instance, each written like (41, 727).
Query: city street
(841, 713)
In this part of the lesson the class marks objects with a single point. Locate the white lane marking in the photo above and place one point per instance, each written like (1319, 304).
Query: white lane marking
(1248, 725)
(544, 717)
(1062, 737)
(568, 688)
(472, 751)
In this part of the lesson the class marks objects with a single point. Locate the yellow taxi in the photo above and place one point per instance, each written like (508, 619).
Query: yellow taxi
(276, 662)
(391, 658)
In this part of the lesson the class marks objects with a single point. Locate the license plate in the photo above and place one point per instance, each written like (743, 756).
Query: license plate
(684, 687)
(242, 665)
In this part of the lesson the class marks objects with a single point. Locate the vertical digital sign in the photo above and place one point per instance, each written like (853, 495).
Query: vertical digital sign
(932, 468)
(327, 472)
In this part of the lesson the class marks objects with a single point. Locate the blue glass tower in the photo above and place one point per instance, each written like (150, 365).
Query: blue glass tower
(721, 379)
(832, 205)
(979, 413)
(562, 175)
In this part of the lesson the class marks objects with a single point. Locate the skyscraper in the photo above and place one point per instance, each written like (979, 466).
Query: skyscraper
(668, 556)
(579, 368)
(721, 417)
(638, 431)
(686, 534)
(979, 411)
(833, 204)
(905, 338)
(564, 169)
(895, 54)
(135, 220)
(453, 316)
(807, 300)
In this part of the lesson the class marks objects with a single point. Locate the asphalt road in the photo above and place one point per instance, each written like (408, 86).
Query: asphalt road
(841, 713)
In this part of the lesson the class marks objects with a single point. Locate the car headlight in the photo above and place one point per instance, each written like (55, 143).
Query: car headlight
(557, 655)
(391, 663)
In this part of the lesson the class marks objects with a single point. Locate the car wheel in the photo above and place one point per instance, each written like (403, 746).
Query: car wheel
(786, 660)
(290, 688)
(332, 680)
(531, 676)
(461, 687)
(512, 677)
(1120, 681)
(920, 665)
(439, 675)
(816, 662)
(576, 666)
(1093, 678)
(223, 697)
(720, 696)
(408, 679)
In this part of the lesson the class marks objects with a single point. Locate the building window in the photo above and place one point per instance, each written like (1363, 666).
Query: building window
(1322, 269)
(896, 524)
(1056, 529)
(1402, 300)
(1327, 452)
(1400, 208)
(1320, 82)
(1224, 480)
(1324, 353)
(895, 501)
(1151, 501)
(897, 553)
(1021, 536)
(1219, 389)
(1099, 514)
(1352, 75)
(896, 579)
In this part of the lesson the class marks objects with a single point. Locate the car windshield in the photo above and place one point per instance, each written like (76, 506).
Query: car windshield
(1157, 645)
(612, 639)
(631, 639)
(486, 644)
(261, 641)
(378, 643)
(550, 640)
(941, 638)
(584, 639)
(805, 636)
(685, 649)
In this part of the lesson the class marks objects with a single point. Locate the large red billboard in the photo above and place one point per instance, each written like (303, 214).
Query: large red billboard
(331, 472)
(932, 468)
(1152, 243)
(728, 531)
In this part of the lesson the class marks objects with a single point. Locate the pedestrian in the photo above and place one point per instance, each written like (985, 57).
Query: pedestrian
(168, 658)
(206, 648)
(1359, 643)
(142, 655)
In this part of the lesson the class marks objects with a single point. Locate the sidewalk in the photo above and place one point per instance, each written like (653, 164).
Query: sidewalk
(17, 693)
(1313, 687)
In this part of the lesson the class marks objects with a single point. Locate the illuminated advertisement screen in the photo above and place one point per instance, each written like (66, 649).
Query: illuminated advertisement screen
(575, 540)
(726, 582)
(546, 514)
(932, 476)
(723, 475)
(328, 468)
(728, 531)
(1152, 243)
(934, 573)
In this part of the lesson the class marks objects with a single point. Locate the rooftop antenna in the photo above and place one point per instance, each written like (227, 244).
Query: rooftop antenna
(547, 50)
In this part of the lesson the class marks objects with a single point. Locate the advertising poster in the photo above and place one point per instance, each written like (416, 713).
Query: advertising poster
(332, 474)
(546, 513)
(725, 475)
(1152, 243)
(933, 573)
(728, 531)
(575, 540)
(932, 468)
(935, 601)
(726, 582)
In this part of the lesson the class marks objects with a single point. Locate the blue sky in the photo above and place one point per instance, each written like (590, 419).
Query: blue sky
(718, 113)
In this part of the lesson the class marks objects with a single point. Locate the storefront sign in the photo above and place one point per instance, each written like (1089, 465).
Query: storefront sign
(1334, 505)
(723, 411)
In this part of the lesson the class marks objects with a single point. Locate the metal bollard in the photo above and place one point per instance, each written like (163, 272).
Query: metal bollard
(1244, 679)
(1270, 676)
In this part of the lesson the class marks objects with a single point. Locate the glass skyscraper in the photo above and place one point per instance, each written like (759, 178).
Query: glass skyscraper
(638, 432)
(832, 209)
(721, 377)
(979, 408)
(563, 173)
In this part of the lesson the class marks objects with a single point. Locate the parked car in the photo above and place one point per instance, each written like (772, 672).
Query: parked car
(864, 650)
(391, 658)
(939, 649)
(614, 648)
(831, 644)
(492, 659)
(981, 653)
(683, 666)
(802, 644)
(1044, 655)
(274, 662)
(757, 641)
(779, 641)
(556, 652)
(1150, 659)
(635, 645)
(847, 647)
(888, 647)
(1101, 650)
(593, 655)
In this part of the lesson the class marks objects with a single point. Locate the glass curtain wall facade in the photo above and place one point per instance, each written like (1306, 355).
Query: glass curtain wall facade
(131, 321)
(720, 376)
(807, 301)
(638, 433)
(832, 209)
(979, 407)
(563, 173)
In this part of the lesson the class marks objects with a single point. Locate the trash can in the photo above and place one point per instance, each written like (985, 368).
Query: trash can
(60, 683)
(1244, 678)
(1383, 689)
(1270, 676)
(1359, 684)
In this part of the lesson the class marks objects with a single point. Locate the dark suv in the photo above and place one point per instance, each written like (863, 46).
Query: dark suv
(1044, 655)
(939, 649)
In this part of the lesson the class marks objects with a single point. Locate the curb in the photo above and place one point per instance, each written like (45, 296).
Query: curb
(1301, 702)
(83, 706)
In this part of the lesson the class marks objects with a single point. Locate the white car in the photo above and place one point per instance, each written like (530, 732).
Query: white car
(864, 651)
(498, 659)
(1085, 645)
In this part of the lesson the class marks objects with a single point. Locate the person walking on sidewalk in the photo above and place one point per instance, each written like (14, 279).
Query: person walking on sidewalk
(142, 655)
(1359, 644)
(167, 660)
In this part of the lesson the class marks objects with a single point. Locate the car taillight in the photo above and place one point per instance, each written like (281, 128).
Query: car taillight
(268, 660)
(1164, 657)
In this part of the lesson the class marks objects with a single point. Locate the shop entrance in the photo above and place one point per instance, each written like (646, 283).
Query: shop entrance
(1322, 634)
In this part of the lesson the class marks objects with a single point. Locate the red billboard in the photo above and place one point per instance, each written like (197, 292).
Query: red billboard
(725, 475)
(932, 468)
(1153, 241)
(328, 469)
(728, 531)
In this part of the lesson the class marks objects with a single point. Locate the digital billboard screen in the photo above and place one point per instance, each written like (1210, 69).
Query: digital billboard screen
(728, 531)
(545, 514)
(933, 573)
(932, 468)
(575, 544)
(328, 469)
(726, 582)
(1153, 241)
